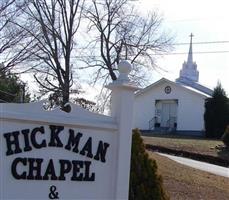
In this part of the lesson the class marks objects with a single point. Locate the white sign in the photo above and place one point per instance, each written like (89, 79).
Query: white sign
(58, 155)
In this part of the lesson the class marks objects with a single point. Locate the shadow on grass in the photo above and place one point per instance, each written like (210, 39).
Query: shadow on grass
(195, 156)
(174, 135)
(223, 152)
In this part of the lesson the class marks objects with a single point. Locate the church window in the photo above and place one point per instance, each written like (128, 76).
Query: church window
(168, 89)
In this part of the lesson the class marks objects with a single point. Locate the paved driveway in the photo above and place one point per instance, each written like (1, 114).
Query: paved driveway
(214, 169)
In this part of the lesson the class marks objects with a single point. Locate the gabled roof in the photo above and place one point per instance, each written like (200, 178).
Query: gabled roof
(195, 85)
(162, 80)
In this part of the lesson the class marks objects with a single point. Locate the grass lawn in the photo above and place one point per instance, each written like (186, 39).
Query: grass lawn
(195, 145)
(185, 183)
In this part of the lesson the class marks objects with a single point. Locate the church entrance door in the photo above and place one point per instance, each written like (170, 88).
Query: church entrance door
(168, 114)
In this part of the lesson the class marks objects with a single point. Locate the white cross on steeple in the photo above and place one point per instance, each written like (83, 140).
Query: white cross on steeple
(190, 58)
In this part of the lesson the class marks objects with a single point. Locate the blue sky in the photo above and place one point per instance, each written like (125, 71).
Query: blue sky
(208, 21)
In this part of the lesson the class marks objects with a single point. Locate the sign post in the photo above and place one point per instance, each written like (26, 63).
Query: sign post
(122, 100)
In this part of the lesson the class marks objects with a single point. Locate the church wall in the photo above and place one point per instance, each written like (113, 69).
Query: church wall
(190, 113)
(190, 107)
(144, 110)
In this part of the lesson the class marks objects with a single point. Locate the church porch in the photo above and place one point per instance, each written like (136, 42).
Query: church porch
(165, 118)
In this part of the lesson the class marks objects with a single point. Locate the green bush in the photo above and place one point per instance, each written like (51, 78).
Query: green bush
(216, 116)
(225, 137)
(145, 183)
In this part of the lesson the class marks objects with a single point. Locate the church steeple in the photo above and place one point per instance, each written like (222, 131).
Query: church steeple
(189, 72)
(190, 59)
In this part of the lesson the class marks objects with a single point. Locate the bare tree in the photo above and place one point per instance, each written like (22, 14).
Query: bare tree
(5, 16)
(51, 26)
(10, 35)
(121, 33)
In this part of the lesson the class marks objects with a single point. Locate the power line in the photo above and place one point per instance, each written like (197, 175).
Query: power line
(178, 53)
(210, 42)
(200, 52)
(183, 43)
(161, 54)
(175, 44)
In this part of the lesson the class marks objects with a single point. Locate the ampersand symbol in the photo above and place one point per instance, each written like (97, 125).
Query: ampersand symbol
(53, 194)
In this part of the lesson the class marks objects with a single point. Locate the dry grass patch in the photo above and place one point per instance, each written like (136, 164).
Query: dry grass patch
(182, 182)
(195, 145)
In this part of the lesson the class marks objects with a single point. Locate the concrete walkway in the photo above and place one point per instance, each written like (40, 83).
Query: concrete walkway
(214, 169)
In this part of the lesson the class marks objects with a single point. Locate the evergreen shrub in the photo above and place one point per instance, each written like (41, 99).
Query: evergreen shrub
(216, 114)
(225, 137)
(145, 183)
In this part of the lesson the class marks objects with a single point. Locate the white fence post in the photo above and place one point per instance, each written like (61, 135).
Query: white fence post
(122, 100)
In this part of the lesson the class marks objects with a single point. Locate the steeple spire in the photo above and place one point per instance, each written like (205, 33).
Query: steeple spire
(190, 59)
(189, 72)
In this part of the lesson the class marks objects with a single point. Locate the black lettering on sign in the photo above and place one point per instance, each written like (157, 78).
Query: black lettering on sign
(101, 151)
(87, 148)
(54, 138)
(53, 194)
(25, 133)
(77, 165)
(65, 167)
(12, 140)
(14, 172)
(88, 176)
(31, 169)
(34, 168)
(50, 171)
(34, 142)
(73, 141)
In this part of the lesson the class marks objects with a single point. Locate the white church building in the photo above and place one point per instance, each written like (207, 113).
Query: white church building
(173, 105)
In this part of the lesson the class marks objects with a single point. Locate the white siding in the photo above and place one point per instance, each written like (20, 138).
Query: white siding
(190, 107)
